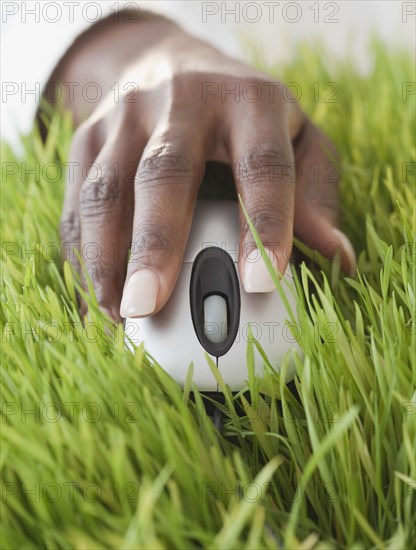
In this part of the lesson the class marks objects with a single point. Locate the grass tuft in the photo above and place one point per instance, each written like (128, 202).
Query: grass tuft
(101, 449)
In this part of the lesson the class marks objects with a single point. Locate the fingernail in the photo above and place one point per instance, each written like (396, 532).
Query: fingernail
(347, 251)
(140, 294)
(256, 275)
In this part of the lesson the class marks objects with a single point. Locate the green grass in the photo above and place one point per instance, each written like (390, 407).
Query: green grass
(116, 455)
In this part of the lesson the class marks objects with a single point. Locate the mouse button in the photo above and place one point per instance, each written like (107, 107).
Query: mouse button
(215, 318)
(215, 223)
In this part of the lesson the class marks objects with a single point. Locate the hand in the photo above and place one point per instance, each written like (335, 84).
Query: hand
(149, 151)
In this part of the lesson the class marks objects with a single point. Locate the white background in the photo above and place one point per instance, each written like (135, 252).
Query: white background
(35, 34)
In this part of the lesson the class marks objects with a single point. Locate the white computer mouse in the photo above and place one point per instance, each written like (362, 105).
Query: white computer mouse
(209, 311)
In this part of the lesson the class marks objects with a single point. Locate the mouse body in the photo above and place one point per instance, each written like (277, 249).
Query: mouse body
(209, 312)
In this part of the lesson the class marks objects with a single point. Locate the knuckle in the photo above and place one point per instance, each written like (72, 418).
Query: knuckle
(131, 97)
(264, 96)
(69, 226)
(124, 117)
(98, 195)
(150, 238)
(125, 112)
(163, 165)
(179, 84)
(265, 219)
(86, 136)
(266, 163)
(254, 91)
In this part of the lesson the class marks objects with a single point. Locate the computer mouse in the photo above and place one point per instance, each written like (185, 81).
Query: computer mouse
(209, 312)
